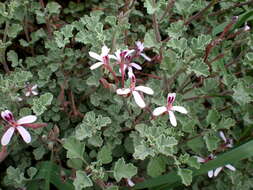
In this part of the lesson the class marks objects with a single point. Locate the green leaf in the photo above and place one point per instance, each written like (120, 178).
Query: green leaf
(32, 172)
(156, 166)
(39, 104)
(14, 29)
(213, 116)
(91, 125)
(75, 148)
(241, 95)
(123, 170)
(150, 40)
(178, 44)
(39, 152)
(171, 179)
(249, 56)
(176, 29)
(105, 155)
(82, 180)
(151, 8)
(226, 123)
(186, 176)
(53, 8)
(12, 56)
(199, 68)
(211, 142)
(201, 42)
(50, 172)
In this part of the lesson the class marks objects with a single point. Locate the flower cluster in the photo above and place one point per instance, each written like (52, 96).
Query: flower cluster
(228, 143)
(125, 61)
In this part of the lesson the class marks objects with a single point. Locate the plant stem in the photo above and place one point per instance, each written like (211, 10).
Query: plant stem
(200, 13)
(168, 9)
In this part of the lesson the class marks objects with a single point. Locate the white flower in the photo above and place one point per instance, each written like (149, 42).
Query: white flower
(140, 48)
(31, 90)
(16, 125)
(103, 58)
(123, 58)
(135, 92)
(170, 108)
(215, 172)
(228, 142)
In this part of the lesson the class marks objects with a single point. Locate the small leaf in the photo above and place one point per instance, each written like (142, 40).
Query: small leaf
(156, 166)
(213, 116)
(53, 8)
(226, 123)
(82, 180)
(75, 148)
(105, 155)
(186, 176)
(241, 95)
(249, 56)
(39, 104)
(32, 172)
(123, 170)
(211, 142)
(199, 68)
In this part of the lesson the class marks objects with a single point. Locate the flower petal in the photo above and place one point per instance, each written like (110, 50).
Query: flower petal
(129, 52)
(145, 89)
(159, 110)
(138, 99)
(130, 182)
(173, 120)
(105, 51)
(7, 116)
(28, 93)
(199, 159)
(139, 45)
(229, 166)
(171, 98)
(210, 173)
(217, 171)
(179, 109)
(222, 136)
(123, 91)
(136, 66)
(24, 134)
(27, 119)
(145, 57)
(34, 87)
(35, 93)
(7, 136)
(96, 65)
(95, 56)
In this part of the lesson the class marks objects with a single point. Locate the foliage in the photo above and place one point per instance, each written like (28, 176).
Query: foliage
(96, 139)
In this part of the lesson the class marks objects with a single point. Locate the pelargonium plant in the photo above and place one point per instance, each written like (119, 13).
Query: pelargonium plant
(97, 73)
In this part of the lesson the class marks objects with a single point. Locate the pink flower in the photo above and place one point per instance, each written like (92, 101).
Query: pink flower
(140, 48)
(170, 109)
(103, 58)
(16, 125)
(215, 172)
(135, 92)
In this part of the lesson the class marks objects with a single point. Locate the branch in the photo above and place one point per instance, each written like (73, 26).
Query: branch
(168, 9)
(155, 25)
(232, 7)
(200, 13)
